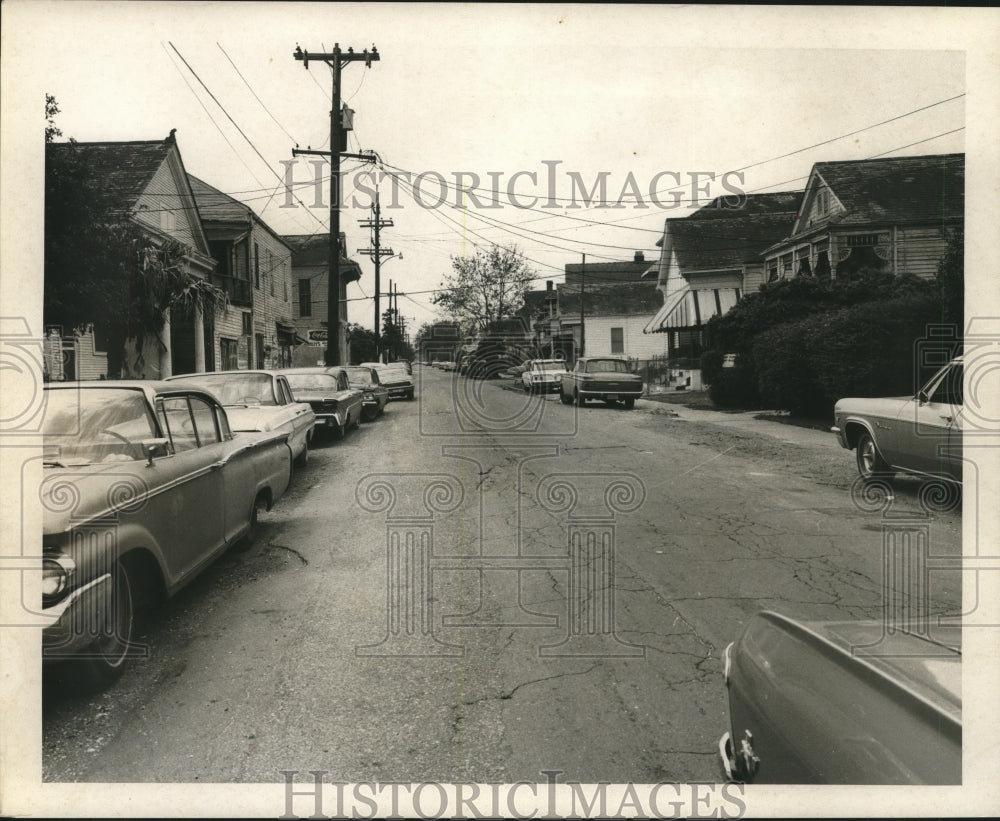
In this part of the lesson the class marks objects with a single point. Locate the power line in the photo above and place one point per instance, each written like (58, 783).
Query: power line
(258, 99)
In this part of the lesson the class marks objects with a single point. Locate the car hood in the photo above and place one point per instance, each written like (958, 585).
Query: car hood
(928, 669)
(77, 494)
(262, 418)
(880, 406)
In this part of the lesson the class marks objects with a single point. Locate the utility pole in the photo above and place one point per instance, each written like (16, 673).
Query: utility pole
(336, 60)
(583, 273)
(376, 253)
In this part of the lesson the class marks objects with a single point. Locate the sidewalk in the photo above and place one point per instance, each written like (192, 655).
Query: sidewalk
(695, 406)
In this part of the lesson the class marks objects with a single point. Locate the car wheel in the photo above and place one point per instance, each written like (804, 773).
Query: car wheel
(526, 388)
(564, 398)
(106, 657)
(578, 400)
(629, 404)
(871, 465)
(357, 421)
(244, 543)
(303, 458)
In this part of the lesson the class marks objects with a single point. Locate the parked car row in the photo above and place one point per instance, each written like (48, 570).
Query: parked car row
(146, 483)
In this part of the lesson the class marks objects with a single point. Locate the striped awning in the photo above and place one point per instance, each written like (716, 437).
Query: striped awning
(691, 308)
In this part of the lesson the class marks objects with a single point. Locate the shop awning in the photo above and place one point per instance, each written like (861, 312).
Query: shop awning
(692, 308)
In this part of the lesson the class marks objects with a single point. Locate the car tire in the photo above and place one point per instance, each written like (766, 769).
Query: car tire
(629, 404)
(578, 400)
(564, 398)
(109, 652)
(357, 421)
(527, 389)
(409, 396)
(871, 465)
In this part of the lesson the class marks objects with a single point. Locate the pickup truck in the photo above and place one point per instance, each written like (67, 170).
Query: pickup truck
(601, 377)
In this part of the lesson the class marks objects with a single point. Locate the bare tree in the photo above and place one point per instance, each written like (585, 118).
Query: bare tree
(484, 287)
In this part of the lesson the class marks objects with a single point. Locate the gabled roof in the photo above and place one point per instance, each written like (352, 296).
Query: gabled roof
(896, 189)
(215, 206)
(610, 300)
(629, 270)
(122, 169)
(310, 250)
(723, 235)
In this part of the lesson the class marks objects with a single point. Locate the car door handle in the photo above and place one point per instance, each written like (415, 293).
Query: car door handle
(947, 418)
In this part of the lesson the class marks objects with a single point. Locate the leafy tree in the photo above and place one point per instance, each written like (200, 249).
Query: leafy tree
(361, 343)
(102, 270)
(484, 287)
(51, 109)
(951, 280)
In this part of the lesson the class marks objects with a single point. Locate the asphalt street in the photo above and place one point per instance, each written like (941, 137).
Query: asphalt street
(482, 586)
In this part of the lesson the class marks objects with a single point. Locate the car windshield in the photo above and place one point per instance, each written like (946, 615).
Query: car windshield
(360, 376)
(548, 365)
(239, 389)
(312, 381)
(607, 366)
(82, 426)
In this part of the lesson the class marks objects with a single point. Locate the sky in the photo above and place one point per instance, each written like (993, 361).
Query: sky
(538, 102)
(650, 94)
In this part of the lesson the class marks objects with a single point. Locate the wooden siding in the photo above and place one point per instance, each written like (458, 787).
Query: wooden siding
(162, 194)
(637, 344)
(275, 274)
(919, 251)
(90, 363)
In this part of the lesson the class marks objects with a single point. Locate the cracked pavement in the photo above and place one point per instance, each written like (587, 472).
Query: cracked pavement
(285, 656)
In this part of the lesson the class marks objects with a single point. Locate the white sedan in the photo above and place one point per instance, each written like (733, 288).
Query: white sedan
(260, 401)
(543, 375)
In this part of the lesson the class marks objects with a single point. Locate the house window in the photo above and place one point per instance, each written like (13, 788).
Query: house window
(228, 349)
(804, 267)
(822, 202)
(256, 266)
(617, 340)
(284, 284)
(305, 297)
(772, 270)
(247, 323)
(786, 266)
(167, 221)
(270, 277)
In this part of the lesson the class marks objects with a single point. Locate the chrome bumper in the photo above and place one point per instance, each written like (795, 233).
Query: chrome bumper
(77, 619)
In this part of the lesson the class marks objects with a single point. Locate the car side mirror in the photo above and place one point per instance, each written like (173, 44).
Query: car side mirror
(922, 396)
(155, 447)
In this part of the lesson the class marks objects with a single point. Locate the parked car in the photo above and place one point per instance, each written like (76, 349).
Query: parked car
(841, 703)
(543, 375)
(601, 377)
(328, 392)
(144, 485)
(395, 377)
(448, 365)
(919, 434)
(260, 401)
(375, 395)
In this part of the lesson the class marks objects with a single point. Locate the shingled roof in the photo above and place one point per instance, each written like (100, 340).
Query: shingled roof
(215, 206)
(719, 236)
(314, 250)
(897, 189)
(122, 170)
(610, 300)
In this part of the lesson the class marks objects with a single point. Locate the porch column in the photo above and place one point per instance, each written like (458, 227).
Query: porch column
(166, 365)
(199, 341)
